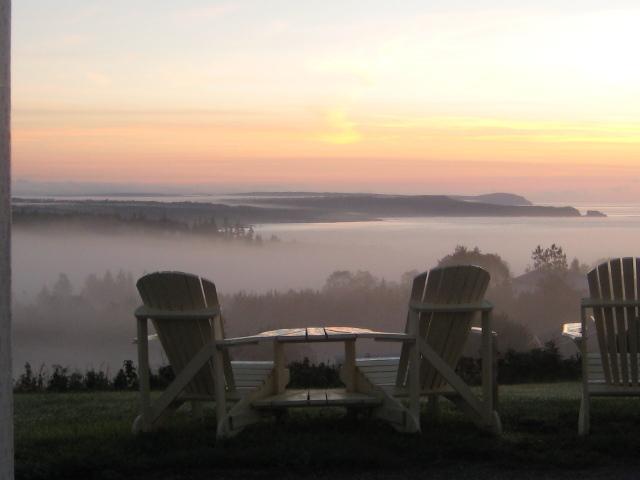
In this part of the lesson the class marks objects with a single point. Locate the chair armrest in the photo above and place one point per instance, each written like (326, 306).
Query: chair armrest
(152, 337)
(227, 342)
(159, 314)
(602, 303)
(572, 331)
(421, 307)
(478, 331)
(388, 337)
(379, 336)
(238, 341)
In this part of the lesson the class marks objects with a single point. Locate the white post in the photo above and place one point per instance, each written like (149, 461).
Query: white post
(6, 379)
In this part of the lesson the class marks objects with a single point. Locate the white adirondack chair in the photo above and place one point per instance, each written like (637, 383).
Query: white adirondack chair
(185, 312)
(444, 304)
(614, 289)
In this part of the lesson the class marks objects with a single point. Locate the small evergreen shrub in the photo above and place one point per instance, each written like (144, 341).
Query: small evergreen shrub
(538, 365)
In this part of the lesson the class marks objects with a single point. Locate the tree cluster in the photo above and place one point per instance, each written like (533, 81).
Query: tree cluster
(62, 379)
(25, 217)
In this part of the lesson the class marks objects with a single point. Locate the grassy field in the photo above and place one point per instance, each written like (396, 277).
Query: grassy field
(67, 436)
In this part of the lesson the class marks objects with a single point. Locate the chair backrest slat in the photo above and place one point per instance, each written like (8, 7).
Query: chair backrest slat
(210, 293)
(598, 317)
(617, 293)
(631, 293)
(182, 339)
(617, 325)
(610, 331)
(417, 293)
(446, 333)
(211, 297)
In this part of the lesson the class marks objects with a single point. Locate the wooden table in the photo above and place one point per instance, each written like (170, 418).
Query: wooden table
(348, 396)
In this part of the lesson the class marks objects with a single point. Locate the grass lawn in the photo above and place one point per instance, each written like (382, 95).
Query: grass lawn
(87, 435)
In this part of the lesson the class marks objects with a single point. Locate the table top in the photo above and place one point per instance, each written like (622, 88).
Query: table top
(324, 334)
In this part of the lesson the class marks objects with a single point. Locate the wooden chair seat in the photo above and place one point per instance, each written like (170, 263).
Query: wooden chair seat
(249, 375)
(380, 371)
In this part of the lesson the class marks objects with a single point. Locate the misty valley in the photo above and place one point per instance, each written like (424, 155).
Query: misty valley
(76, 262)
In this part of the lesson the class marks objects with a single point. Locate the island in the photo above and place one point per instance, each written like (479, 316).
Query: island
(595, 213)
(275, 207)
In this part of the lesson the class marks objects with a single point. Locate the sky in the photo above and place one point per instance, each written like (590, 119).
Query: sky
(459, 96)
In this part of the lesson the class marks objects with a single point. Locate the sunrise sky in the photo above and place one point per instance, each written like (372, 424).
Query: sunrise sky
(450, 96)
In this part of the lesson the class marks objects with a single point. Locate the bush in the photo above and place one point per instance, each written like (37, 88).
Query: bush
(306, 375)
(538, 365)
(76, 382)
(96, 381)
(127, 377)
(28, 382)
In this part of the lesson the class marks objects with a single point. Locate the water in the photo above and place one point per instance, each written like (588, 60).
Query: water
(420, 242)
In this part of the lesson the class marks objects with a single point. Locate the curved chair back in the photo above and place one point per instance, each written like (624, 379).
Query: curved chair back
(180, 338)
(446, 333)
(617, 281)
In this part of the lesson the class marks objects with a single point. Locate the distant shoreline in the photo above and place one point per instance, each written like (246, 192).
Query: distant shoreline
(128, 212)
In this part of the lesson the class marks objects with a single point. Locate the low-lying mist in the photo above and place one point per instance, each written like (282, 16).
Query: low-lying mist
(88, 322)
(307, 253)
(40, 256)
(281, 281)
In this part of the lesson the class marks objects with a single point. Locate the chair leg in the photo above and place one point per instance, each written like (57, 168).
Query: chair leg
(139, 425)
(584, 419)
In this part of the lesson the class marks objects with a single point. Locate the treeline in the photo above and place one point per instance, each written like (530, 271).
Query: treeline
(209, 227)
(304, 374)
(529, 310)
(97, 318)
(63, 379)
(537, 365)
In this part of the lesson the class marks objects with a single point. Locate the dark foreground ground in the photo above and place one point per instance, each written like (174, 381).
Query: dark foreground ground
(86, 436)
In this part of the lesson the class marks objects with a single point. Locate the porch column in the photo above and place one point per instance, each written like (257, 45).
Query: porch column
(6, 377)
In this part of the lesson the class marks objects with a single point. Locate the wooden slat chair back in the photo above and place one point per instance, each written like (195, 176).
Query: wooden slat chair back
(614, 304)
(181, 340)
(443, 305)
(186, 314)
(617, 329)
(446, 333)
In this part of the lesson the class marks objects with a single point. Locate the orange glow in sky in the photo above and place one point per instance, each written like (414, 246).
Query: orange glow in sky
(448, 98)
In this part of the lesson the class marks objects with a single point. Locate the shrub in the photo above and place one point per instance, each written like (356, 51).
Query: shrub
(76, 382)
(127, 377)
(538, 365)
(95, 381)
(29, 382)
(306, 375)
(59, 379)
